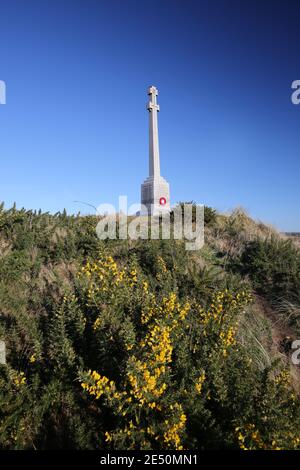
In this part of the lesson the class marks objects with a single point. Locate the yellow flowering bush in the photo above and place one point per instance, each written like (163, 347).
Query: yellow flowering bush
(144, 395)
(174, 363)
(151, 409)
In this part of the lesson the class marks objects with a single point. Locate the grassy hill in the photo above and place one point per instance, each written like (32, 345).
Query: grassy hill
(127, 344)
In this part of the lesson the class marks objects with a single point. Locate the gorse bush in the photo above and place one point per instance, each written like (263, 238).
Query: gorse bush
(117, 345)
(210, 214)
(179, 380)
(273, 266)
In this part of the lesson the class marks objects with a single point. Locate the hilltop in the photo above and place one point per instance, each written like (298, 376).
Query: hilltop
(141, 344)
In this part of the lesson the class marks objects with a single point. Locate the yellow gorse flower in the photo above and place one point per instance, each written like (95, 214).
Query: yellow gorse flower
(199, 382)
(19, 379)
(98, 385)
(172, 436)
(249, 438)
(32, 358)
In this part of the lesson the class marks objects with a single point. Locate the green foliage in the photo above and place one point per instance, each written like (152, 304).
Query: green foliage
(210, 214)
(273, 266)
(120, 345)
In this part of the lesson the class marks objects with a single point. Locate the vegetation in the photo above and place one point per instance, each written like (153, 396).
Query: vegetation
(273, 266)
(142, 345)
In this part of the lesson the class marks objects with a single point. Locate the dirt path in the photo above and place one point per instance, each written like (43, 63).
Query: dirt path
(282, 337)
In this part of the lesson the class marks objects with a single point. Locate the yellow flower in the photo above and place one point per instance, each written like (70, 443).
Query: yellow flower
(108, 437)
(32, 358)
(199, 382)
(152, 405)
(100, 385)
(97, 323)
(19, 379)
(145, 286)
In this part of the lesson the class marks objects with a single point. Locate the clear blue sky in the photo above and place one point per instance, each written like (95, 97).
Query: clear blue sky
(75, 123)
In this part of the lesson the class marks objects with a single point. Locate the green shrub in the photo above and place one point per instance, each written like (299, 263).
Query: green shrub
(210, 214)
(273, 266)
(148, 346)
